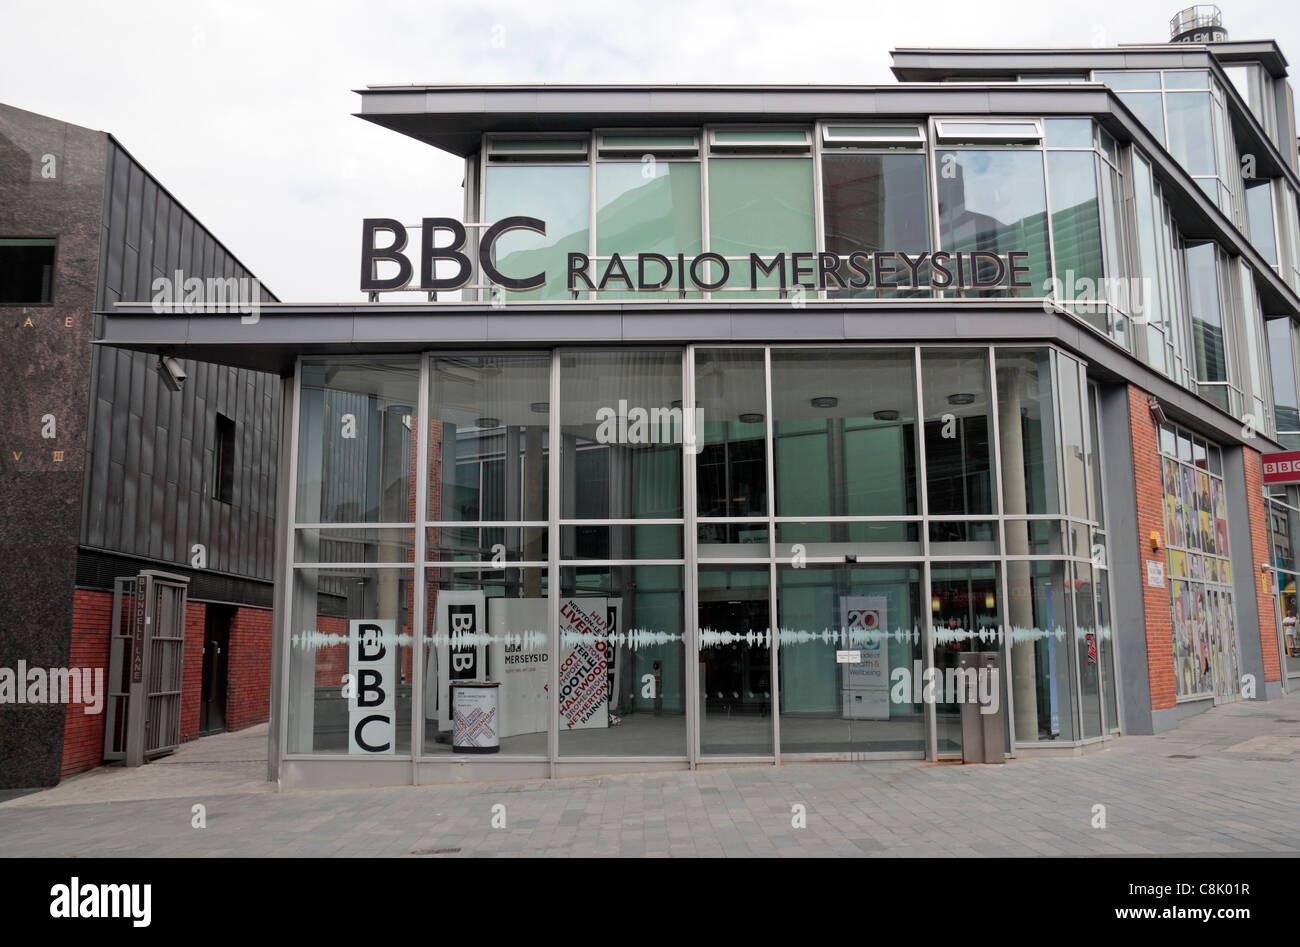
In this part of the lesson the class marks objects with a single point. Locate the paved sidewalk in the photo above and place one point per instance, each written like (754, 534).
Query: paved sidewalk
(1227, 782)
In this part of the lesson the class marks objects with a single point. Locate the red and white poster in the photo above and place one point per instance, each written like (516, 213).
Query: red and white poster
(584, 663)
(865, 693)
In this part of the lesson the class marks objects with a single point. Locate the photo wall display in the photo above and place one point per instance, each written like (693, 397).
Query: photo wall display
(1206, 657)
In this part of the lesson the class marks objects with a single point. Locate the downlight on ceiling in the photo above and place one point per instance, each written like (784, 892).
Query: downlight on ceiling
(961, 397)
(488, 422)
(825, 401)
(885, 415)
(751, 418)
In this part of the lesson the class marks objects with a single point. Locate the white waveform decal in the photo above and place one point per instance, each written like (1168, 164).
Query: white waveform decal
(1020, 635)
(315, 640)
(527, 640)
(633, 638)
(711, 638)
(852, 636)
(946, 635)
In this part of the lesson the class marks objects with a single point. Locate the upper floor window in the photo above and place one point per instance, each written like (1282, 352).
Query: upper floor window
(26, 271)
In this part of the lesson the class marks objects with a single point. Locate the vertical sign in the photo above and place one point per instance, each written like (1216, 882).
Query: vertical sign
(137, 630)
(372, 662)
(866, 681)
(584, 663)
(459, 651)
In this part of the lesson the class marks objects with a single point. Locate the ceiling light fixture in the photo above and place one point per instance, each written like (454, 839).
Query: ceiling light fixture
(885, 415)
(825, 401)
(961, 397)
(751, 418)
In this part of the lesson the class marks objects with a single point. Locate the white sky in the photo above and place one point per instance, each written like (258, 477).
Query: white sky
(244, 109)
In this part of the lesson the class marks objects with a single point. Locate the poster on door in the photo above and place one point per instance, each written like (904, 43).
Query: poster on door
(372, 702)
(584, 663)
(866, 683)
(458, 651)
(520, 655)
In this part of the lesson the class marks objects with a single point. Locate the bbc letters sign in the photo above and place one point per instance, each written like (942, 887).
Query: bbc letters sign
(445, 239)
(372, 664)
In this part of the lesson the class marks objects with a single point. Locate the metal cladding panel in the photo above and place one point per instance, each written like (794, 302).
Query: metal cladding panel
(151, 477)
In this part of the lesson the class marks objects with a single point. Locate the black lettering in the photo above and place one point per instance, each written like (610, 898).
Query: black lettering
(860, 262)
(914, 266)
(941, 276)
(370, 255)
(429, 253)
(615, 270)
(641, 284)
(370, 683)
(577, 265)
(989, 260)
(828, 264)
(367, 635)
(883, 268)
(801, 267)
(695, 271)
(1016, 270)
(756, 264)
(361, 725)
(487, 244)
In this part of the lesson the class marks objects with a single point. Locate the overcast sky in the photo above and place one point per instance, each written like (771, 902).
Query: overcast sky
(244, 109)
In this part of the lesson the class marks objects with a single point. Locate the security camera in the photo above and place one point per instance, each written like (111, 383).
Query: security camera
(171, 373)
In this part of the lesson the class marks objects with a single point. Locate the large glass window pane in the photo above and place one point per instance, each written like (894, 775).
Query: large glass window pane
(1076, 226)
(646, 207)
(622, 426)
(1128, 80)
(829, 707)
(1087, 650)
(357, 622)
(875, 202)
(964, 611)
(1027, 426)
(1283, 364)
(1041, 626)
(958, 430)
(489, 626)
(1207, 317)
(763, 206)
(622, 673)
(489, 424)
(1191, 136)
(1073, 430)
(557, 194)
(731, 467)
(1259, 210)
(356, 443)
(845, 432)
(1149, 109)
(995, 201)
(735, 661)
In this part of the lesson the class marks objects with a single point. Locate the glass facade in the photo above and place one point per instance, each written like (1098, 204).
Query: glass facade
(640, 582)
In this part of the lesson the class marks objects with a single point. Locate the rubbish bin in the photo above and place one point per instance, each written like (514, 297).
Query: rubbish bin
(983, 728)
(475, 715)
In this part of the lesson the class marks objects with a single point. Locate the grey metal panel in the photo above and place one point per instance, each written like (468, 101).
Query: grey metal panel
(148, 210)
(1244, 581)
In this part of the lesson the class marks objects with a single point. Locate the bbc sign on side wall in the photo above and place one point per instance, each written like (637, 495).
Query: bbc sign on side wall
(372, 664)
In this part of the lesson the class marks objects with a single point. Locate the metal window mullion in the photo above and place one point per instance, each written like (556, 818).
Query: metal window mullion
(927, 625)
(291, 511)
(996, 447)
(553, 568)
(773, 617)
(421, 415)
(690, 450)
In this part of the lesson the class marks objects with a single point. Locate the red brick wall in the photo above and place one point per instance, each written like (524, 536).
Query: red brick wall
(248, 691)
(1259, 555)
(1150, 519)
(192, 675)
(83, 734)
(332, 663)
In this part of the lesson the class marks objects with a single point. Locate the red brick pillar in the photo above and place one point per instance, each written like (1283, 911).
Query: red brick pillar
(1259, 556)
(1150, 519)
(83, 733)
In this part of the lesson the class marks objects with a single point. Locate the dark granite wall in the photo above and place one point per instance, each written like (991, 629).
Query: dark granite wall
(44, 370)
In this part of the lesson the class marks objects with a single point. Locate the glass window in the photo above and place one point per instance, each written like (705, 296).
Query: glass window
(965, 615)
(995, 201)
(735, 668)
(557, 194)
(958, 430)
(1072, 437)
(1076, 227)
(1041, 625)
(489, 425)
(646, 207)
(731, 466)
(1259, 210)
(831, 707)
(1207, 316)
(622, 426)
(844, 423)
(1190, 79)
(1087, 652)
(1027, 425)
(1149, 109)
(1128, 80)
(356, 456)
(1191, 136)
(358, 622)
(622, 661)
(875, 202)
(26, 271)
(1068, 132)
(763, 206)
(1283, 364)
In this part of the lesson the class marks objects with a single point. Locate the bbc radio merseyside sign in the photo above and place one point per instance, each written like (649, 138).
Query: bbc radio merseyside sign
(657, 272)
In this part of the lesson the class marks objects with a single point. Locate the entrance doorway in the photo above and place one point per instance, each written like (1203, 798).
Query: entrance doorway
(216, 650)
